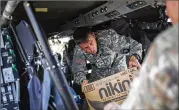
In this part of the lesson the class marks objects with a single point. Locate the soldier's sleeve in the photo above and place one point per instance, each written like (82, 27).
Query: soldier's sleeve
(112, 44)
(157, 84)
(79, 66)
(119, 43)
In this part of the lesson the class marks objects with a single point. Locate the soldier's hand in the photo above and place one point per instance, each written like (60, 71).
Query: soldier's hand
(133, 62)
(85, 82)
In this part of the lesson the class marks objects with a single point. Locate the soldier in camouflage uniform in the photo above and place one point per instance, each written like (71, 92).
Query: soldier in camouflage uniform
(156, 87)
(107, 52)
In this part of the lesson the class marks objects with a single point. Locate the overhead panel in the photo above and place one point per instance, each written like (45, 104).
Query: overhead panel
(107, 11)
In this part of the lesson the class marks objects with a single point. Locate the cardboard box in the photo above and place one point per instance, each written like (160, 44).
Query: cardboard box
(112, 88)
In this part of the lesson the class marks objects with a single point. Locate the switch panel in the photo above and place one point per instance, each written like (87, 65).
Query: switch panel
(4, 99)
(8, 101)
(8, 75)
(8, 58)
(2, 90)
(11, 97)
(106, 12)
(9, 88)
(92, 16)
(136, 4)
(112, 14)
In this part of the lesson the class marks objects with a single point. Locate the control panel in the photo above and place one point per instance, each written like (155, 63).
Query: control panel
(8, 57)
(107, 11)
(9, 74)
(112, 14)
(136, 4)
(102, 10)
(8, 97)
(89, 17)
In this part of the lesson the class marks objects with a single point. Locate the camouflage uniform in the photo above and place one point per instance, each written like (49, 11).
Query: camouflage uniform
(112, 55)
(157, 84)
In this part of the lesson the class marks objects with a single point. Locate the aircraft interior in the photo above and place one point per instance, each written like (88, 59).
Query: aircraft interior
(39, 34)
